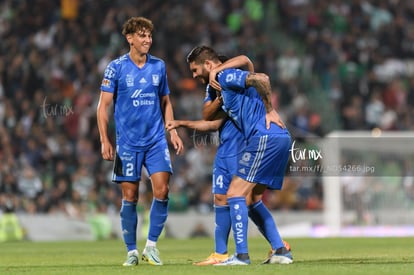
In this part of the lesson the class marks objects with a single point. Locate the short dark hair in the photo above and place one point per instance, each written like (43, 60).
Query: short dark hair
(200, 54)
(134, 24)
(223, 58)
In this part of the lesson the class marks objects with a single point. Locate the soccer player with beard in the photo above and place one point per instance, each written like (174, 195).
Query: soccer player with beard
(225, 166)
(261, 162)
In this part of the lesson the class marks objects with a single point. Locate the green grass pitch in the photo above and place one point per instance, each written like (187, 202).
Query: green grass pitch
(311, 256)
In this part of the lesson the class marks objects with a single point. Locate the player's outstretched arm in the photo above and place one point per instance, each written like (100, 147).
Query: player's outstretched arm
(235, 62)
(212, 109)
(201, 125)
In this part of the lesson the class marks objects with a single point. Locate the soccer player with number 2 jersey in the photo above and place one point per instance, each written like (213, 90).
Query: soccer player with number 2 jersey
(136, 85)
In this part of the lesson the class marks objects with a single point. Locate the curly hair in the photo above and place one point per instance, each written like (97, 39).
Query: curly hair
(134, 24)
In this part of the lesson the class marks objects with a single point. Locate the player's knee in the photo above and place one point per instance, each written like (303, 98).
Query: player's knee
(239, 188)
(220, 199)
(130, 195)
(161, 193)
(235, 193)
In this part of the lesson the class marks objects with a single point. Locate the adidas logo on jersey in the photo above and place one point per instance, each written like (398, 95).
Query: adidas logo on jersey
(242, 171)
(142, 81)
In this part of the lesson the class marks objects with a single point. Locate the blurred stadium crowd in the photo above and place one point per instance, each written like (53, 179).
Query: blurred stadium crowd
(333, 64)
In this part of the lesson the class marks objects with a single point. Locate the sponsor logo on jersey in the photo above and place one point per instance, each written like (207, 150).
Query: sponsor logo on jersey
(142, 81)
(142, 101)
(239, 230)
(138, 93)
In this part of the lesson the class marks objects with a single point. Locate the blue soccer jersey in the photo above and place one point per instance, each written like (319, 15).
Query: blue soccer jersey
(231, 143)
(244, 105)
(231, 139)
(137, 93)
(266, 153)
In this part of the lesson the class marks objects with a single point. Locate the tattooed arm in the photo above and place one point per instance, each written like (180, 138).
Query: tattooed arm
(262, 84)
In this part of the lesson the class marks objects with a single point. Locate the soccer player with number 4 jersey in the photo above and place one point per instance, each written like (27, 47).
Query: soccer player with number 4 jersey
(225, 165)
(136, 85)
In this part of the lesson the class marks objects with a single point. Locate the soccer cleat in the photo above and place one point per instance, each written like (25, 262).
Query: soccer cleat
(280, 256)
(233, 260)
(287, 245)
(132, 258)
(214, 258)
(151, 255)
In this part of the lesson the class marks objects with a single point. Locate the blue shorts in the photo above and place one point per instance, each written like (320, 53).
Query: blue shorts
(223, 171)
(264, 160)
(128, 163)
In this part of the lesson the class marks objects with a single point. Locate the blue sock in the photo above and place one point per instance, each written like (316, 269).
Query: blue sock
(264, 221)
(222, 229)
(257, 220)
(158, 216)
(129, 221)
(239, 222)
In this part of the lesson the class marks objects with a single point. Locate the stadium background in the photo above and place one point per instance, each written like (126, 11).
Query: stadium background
(334, 65)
